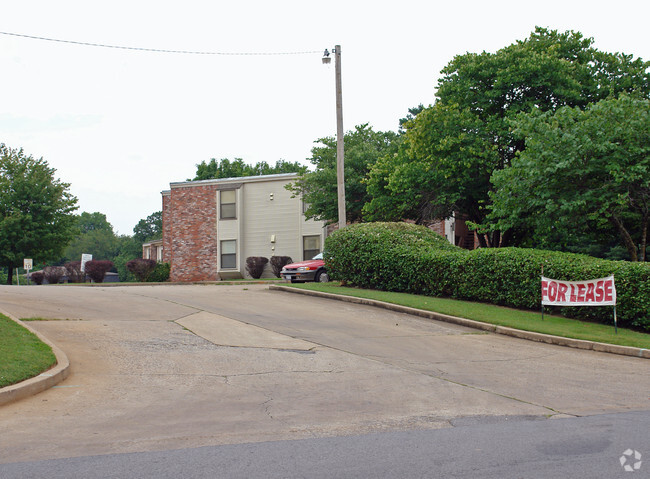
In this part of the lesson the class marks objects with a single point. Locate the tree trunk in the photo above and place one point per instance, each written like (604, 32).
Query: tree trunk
(10, 275)
(625, 235)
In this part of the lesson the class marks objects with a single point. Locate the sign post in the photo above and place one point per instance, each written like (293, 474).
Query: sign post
(595, 292)
(28, 265)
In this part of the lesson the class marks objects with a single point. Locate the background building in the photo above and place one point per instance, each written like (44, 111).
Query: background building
(210, 227)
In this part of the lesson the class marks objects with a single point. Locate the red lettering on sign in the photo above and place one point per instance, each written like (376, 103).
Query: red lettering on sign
(552, 290)
(561, 293)
(590, 292)
(572, 298)
(599, 291)
(581, 293)
(544, 289)
(608, 290)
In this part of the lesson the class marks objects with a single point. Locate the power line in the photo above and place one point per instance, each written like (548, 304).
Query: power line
(156, 50)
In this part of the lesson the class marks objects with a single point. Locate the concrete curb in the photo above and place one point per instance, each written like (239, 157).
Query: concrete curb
(43, 381)
(515, 333)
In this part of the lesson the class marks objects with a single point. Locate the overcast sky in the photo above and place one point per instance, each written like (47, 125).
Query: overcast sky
(120, 125)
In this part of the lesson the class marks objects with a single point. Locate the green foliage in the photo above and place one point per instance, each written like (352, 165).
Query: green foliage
(412, 259)
(605, 152)
(444, 167)
(149, 229)
(36, 210)
(451, 148)
(160, 273)
(225, 168)
(318, 189)
(95, 236)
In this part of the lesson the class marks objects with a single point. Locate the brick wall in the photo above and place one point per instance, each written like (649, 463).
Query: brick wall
(189, 233)
(167, 227)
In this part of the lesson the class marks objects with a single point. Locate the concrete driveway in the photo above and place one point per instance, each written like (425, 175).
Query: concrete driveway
(170, 367)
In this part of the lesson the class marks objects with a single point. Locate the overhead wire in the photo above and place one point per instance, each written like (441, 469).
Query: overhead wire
(156, 50)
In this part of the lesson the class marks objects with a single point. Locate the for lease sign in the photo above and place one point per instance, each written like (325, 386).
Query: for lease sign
(595, 292)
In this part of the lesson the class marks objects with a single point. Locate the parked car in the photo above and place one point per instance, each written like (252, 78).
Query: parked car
(310, 270)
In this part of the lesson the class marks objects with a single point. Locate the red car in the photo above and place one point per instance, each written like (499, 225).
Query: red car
(310, 270)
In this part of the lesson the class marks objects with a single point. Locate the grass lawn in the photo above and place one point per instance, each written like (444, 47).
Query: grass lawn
(488, 313)
(22, 354)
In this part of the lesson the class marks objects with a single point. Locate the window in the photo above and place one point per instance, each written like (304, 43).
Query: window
(228, 204)
(229, 254)
(310, 246)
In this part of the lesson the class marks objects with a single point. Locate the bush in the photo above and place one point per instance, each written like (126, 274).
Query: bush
(278, 262)
(54, 274)
(255, 266)
(37, 277)
(75, 275)
(160, 274)
(141, 268)
(97, 269)
(412, 259)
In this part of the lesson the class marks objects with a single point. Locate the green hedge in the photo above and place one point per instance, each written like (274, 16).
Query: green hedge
(160, 274)
(413, 259)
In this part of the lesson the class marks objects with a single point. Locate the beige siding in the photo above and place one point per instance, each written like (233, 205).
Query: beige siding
(271, 214)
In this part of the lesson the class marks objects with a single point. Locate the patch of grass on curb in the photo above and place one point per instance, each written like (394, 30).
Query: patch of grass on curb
(498, 315)
(22, 354)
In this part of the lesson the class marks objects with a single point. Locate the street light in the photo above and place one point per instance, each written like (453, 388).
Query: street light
(340, 179)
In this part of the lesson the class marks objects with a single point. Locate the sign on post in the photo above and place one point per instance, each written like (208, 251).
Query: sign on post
(28, 264)
(84, 259)
(595, 292)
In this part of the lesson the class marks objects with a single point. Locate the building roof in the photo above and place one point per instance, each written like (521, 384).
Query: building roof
(226, 181)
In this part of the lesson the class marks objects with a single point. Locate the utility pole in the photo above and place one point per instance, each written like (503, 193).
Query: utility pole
(340, 153)
(340, 148)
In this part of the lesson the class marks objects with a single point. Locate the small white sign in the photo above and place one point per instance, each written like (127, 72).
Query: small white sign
(28, 263)
(84, 259)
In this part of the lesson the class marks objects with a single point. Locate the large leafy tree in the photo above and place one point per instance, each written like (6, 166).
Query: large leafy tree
(36, 210)
(149, 228)
(225, 168)
(583, 171)
(363, 148)
(94, 235)
(455, 159)
(478, 95)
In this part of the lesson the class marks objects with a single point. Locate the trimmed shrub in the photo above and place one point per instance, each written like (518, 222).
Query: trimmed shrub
(141, 268)
(75, 275)
(255, 266)
(97, 269)
(54, 274)
(37, 277)
(412, 259)
(160, 274)
(278, 262)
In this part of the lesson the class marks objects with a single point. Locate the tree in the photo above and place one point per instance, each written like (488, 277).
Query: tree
(477, 98)
(224, 168)
(94, 236)
(36, 210)
(585, 170)
(149, 229)
(443, 166)
(363, 148)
